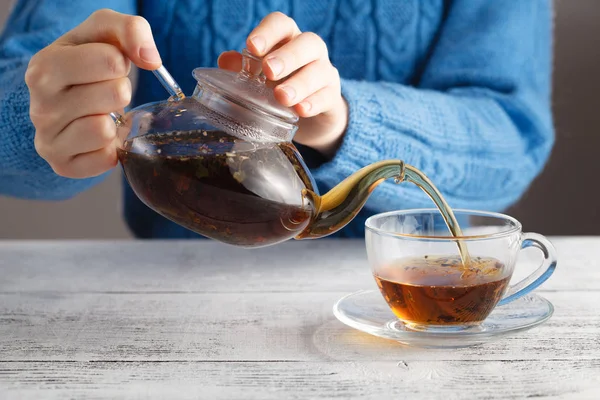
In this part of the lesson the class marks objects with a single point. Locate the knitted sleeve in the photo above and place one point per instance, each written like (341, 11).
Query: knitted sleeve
(33, 25)
(478, 122)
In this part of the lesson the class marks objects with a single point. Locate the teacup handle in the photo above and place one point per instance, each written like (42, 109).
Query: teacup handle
(540, 275)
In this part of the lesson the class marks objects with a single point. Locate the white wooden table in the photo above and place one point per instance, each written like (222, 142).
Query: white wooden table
(178, 320)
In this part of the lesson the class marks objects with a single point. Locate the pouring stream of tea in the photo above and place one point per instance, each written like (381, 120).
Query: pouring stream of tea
(420, 179)
(341, 204)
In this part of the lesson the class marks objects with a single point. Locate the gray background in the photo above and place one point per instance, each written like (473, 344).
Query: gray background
(565, 199)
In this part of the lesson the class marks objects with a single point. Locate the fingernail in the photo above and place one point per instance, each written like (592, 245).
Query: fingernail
(275, 65)
(289, 91)
(259, 43)
(150, 55)
(306, 106)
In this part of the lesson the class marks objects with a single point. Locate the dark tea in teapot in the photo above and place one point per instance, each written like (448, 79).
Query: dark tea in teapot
(231, 190)
(251, 193)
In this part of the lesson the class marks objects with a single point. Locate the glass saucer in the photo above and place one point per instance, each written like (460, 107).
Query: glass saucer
(367, 311)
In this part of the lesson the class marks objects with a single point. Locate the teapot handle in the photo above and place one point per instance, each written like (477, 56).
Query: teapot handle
(166, 79)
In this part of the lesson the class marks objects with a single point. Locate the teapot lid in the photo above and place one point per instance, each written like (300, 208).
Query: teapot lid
(247, 88)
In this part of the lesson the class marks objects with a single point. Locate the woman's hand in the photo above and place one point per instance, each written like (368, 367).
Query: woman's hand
(76, 81)
(305, 79)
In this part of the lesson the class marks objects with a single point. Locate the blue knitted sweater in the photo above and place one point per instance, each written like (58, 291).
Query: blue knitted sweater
(459, 88)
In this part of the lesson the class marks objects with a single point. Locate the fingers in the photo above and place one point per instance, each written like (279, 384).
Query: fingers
(97, 98)
(80, 78)
(88, 63)
(51, 115)
(86, 148)
(274, 29)
(91, 164)
(319, 102)
(296, 63)
(131, 34)
(305, 82)
(84, 135)
(297, 53)
(91, 62)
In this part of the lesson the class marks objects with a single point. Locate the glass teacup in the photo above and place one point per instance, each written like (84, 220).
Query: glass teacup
(419, 271)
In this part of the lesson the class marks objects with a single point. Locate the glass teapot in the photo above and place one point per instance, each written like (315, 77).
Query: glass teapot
(222, 162)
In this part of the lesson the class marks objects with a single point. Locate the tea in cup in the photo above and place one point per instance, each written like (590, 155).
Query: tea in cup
(424, 280)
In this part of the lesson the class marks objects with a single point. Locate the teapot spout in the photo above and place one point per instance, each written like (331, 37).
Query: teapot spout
(339, 206)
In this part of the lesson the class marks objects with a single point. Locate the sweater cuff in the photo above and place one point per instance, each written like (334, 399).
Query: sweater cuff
(23, 173)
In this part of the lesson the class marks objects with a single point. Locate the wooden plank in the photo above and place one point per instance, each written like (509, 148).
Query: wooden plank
(252, 326)
(300, 380)
(201, 266)
(199, 319)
